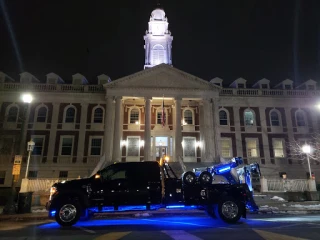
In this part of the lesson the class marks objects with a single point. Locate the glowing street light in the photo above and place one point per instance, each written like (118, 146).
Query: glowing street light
(27, 98)
(307, 150)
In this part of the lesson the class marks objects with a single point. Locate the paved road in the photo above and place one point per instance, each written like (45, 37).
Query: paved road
(269, 227)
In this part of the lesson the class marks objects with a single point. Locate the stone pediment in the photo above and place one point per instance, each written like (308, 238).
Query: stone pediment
(162, 76)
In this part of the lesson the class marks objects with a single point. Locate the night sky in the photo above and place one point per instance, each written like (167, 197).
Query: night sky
(252, 39)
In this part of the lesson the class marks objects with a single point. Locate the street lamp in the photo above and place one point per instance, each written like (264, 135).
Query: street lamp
(29, 149)
(307, 150)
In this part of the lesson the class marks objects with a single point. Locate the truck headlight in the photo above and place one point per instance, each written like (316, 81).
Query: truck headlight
(53, 190)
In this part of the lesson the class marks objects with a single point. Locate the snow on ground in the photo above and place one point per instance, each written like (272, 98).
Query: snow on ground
(280, 199)
(312, 207)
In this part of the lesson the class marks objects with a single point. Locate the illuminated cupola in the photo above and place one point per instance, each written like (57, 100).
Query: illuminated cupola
(158, 40)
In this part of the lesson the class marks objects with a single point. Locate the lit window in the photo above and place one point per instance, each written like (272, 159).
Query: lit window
(278, 148)
(226, 148)
(12, 114)
(70, 115)
(188, 117)
(66, 146)
(252, 148)
(38, 147)
(274, 118)
(248, 118)
(42, 114)
(134, 115)
(223, 117)
(300, 119)
(98, 115)
(96, 144)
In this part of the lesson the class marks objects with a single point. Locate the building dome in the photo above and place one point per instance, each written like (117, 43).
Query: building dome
(158, 14)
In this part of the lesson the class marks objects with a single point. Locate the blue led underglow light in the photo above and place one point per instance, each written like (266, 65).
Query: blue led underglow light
(225, 169)
(181, 206)
(52, 213)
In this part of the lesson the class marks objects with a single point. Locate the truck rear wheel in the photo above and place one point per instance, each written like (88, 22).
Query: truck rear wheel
(189, 178)
(205, 178)
(228, 210)
(68, 213)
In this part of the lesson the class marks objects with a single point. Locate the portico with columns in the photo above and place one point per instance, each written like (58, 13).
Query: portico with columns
(133, 130)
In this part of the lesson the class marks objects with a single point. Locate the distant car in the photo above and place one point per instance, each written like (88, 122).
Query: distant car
(144, 186)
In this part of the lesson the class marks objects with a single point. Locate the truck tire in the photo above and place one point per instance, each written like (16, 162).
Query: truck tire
(205, 178)
(68, 213)
(189, 178)
(228, 210)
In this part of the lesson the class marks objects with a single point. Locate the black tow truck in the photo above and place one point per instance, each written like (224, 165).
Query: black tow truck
(149, 185)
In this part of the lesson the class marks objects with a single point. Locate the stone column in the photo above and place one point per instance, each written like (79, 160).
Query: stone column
(147, 129)
(264, 130)
(178, 133)
(208, 132)
(53, 132)
(237, 131)
(117, 131)
(109, 130)
(82, 131)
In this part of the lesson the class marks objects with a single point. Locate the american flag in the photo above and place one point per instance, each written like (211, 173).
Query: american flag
(163, 116)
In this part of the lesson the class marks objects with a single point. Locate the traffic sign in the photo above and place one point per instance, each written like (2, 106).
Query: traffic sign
(18, 159)
(16, 169)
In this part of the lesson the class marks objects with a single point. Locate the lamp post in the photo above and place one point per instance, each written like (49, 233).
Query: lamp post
(307, 150)
(29, 149)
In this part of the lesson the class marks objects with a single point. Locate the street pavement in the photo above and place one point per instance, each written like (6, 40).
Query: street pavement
(188, 227)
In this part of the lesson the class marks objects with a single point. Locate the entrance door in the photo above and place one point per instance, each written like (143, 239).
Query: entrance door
(161, 147)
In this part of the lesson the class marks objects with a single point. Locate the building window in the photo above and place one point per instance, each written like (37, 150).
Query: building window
(95, 147)
(66, 146)
(187, 115)
(12, 114)
(6, 145)
(159, 117)
(189, 146)
(278, 148)
(248, 118)
(223, 117)
(133, 147)
(2, 176)
(274, 116)
(134, 116)
(310, 87)
(63, 174)
(70, 115)
(158, 54)
(38, 147)
(226, 148)
(240, 85)
(98, 115)
(287, 86)
(300, 119)
(42, 114)
(252, 148)
(264, 86)
(32, 174)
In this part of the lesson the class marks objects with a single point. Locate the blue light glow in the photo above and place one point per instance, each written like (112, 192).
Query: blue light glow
(225, 169)
(125, 208)
(181, 206)
(52, 213)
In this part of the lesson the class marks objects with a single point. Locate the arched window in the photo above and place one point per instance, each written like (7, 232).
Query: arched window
(134, 115)
(275, 120)
(248, 118)
(158, 54)
(301, 122)
(98, 115)
(42, 114)
(70, 115)
(12, 114)
(223, 116)
(188, 118)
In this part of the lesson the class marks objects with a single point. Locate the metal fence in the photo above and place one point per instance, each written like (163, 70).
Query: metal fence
(292, 185)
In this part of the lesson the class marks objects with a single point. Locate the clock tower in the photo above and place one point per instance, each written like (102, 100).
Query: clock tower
(158, 40)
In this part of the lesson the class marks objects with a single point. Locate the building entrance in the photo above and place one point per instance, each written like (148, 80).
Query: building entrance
(161, 147)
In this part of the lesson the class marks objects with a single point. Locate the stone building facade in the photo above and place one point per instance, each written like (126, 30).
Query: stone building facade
(159, 110)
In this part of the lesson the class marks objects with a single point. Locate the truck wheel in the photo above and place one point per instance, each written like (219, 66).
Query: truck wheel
(228, 210)
(68, 213)
(205, 178)
(189, 178)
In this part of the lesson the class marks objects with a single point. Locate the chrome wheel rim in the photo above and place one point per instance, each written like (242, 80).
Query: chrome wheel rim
(229, 209)
(67, 213)
(189, 178)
